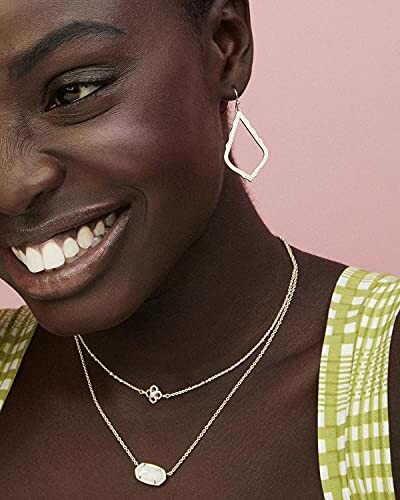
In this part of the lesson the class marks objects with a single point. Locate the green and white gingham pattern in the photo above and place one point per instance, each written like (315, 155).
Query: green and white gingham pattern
(353, 422)
(16, 330)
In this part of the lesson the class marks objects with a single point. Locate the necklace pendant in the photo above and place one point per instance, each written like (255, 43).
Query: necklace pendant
(150, 474)
(153, 394)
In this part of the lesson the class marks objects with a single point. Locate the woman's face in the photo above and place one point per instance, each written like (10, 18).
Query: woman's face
(117, 107)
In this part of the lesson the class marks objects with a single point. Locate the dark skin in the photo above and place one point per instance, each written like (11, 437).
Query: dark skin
(198, 280)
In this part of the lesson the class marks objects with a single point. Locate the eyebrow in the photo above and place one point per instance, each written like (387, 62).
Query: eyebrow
(23, 63)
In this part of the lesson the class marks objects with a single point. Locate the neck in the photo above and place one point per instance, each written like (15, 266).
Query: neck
(220, 298)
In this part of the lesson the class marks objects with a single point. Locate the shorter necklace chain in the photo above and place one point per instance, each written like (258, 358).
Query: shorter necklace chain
(292, 288)
(154, 394)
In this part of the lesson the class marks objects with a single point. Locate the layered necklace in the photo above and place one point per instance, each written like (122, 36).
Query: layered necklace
(155, 475)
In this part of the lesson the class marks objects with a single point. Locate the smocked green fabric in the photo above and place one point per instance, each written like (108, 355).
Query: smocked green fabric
(353, 423)
(16, 330)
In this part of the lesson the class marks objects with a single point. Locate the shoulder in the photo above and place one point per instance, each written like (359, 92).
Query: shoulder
(16, 329)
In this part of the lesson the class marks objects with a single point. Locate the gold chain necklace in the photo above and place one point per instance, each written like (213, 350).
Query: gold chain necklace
(154, 394)
(154, 475)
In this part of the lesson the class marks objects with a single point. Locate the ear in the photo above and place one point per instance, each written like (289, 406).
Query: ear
(229, 40)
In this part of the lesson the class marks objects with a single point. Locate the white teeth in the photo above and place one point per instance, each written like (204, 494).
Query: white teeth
(53, 253)
(34, 260)
(96, 241)
(100, 229)
(110, 219)
(53, 256)
(70, 248)
(85, 237)
(22, 256)
(19, 254)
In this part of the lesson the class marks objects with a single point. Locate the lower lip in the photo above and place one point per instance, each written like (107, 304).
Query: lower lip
(71, 278)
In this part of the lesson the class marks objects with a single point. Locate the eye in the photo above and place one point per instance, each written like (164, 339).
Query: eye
(72, 92)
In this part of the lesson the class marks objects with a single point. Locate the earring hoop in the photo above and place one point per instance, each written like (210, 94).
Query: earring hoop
(239, 116)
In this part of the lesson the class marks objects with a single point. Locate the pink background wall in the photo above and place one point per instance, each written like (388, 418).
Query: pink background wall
(325, 98)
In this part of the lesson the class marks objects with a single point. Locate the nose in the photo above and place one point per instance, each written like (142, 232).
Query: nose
(23, 183)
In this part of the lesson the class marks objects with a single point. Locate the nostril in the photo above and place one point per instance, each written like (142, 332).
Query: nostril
(25, 204)
(47, 182)
(34, 200)
(24, 191)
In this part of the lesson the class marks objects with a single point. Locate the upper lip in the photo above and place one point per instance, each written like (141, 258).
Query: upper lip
(22, 235)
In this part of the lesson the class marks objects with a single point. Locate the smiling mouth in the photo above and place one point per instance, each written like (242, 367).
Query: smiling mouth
(68, 276)
(67, 247)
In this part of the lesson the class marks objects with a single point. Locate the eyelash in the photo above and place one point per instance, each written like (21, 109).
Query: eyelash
(73, 86)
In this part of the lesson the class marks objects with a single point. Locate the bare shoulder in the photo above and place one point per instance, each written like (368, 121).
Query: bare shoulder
(323, 271)
(39, 404)
(318, 271)
(28, 388)
(317, 280)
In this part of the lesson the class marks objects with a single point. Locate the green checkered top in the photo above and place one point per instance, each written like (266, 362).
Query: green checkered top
(353, 424)
(16, 330)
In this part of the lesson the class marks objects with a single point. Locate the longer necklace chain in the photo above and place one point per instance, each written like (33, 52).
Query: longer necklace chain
(155, 475)
(154, 394)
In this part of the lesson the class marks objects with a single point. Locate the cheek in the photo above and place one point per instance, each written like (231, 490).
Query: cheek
(179, 175)
(170, 156)
(163, 138)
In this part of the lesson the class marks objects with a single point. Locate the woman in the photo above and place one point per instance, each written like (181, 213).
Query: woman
(121, 222)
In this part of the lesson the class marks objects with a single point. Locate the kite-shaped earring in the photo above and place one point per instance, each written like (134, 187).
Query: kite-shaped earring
(239, 116)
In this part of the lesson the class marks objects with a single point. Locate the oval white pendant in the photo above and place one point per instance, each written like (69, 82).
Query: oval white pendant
(150, 474)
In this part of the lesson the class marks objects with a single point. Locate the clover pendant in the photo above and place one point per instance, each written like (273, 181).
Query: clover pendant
(153, 394)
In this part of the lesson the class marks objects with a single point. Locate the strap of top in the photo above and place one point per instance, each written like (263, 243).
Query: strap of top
(353, 421)
(16, 330)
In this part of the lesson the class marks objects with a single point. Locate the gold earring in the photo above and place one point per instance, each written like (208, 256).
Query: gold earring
(239, 116)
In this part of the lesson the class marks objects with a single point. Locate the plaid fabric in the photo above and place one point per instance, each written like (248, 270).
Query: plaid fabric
(353, 422)
(16, 330)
